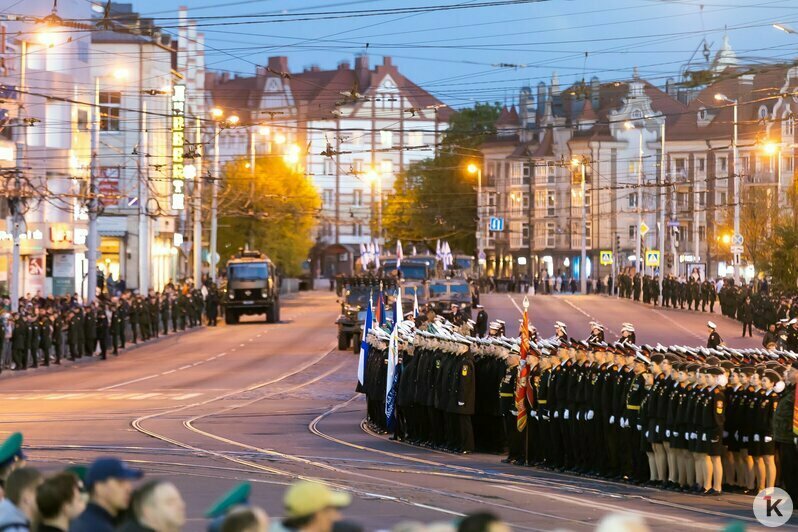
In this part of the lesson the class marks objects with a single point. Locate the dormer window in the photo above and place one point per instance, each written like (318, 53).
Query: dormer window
(702, 114)
(763, 112)
(637, 114)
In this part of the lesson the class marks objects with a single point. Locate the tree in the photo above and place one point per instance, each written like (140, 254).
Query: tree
(272, 210)
(784, 263)
(437, 198)
(758, 216)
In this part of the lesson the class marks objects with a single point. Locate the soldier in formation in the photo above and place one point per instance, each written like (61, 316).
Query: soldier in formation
(699, 420)
(47, 330)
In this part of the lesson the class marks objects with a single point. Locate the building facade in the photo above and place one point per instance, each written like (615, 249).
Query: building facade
(351, 129)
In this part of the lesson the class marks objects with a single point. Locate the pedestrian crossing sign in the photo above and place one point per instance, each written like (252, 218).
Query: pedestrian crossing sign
(652, 258)
(606, 258)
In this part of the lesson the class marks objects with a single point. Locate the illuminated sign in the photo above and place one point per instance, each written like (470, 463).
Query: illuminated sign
(178, 144)
(29, 235)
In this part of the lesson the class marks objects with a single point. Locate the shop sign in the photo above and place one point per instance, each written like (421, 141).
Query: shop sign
(178, 143)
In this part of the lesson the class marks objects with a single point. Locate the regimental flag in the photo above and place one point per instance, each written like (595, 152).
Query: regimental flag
(523, 375)
(364, 347)
(394, 370)
(795, 413)
(415, 303)
(399, 254)
(380, 319)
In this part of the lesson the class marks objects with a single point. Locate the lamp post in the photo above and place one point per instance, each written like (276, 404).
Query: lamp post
(663, 174)
(218, 121)
(580, 163)
(630, 126)
(737, 182)
(474, 168)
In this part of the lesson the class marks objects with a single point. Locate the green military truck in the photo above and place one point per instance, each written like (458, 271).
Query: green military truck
(253, 287)
(354, 299)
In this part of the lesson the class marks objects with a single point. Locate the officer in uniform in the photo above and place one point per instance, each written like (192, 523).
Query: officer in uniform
(58, 333)
(482, 322)
(103, 326)
(90, 331)
(515, 452)
(596, 333)
(46, 336)
(628, 335)
(19, 342)
(117, 327)
(714, 341)
(561, 332)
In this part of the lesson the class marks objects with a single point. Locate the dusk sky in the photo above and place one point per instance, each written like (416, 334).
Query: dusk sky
(456, 53)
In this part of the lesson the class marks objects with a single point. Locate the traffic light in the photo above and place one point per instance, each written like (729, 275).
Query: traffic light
(617, 242)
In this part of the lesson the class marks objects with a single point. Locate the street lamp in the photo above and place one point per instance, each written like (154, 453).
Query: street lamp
(577, 163)
(218, 121)
(773, 149)
(737, 183)
(630, 126)
(785, 28)
(474, 168)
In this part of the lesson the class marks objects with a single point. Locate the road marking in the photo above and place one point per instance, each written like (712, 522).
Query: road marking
(685, 329)
(186, 396)
(100, 396)
(514, 303)
(148, 377)
(168, 372)
(572, 305)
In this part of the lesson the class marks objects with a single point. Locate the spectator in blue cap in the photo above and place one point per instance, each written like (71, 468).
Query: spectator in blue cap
(110, 483)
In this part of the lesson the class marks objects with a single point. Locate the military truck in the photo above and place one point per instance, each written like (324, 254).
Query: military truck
(253, 287)
(445, 293)
(355, 293)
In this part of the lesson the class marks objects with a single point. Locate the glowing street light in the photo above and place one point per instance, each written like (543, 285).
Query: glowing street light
(770, 148)
(233, 120)
(726, 239)
(120, 74)
(217, 113)
(47, 37)
(472, 168)
(785, 28)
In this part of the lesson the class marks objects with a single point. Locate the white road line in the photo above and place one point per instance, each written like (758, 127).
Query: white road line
(514, 303)
(573, 306)
(184, 367)
(142, 396)
(168, 372)
(186, 396)
(128, 382)
(685, 329)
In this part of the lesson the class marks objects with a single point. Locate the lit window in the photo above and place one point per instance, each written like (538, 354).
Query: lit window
(386, 139)
(109, 110)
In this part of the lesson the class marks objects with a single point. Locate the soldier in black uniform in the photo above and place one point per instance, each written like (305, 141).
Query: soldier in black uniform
(58, 335)
(90, 331)
(154, 315)
(117, 327)
(103, 326)
(714, 341)
(636, 287)
(515, 453)
(482, 322)
(46, 337)
(212, 305)
(596, 333)
(19, 342)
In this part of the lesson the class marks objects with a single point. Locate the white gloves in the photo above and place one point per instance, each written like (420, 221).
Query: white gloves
(756, 437)
(566, 414)
(768, 439)
(589, 415)
(704, 437)
(556, 415)
(612, 420)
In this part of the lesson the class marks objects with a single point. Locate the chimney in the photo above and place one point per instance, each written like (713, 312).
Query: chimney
(362, 74)
(541, 98)
(361, 63)
(386, 61)
(343, 65)
(278, 63)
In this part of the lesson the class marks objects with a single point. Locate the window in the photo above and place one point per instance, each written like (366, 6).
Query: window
(515, 174)
(721, 198)
(681, 200)
(702, 232)
(702, 199)
(386, 167)
(700, 165)
(526, 173)
(637, 114)
(83, 120)
(525, 234)
(787, 125)
(329, 166)
(745, 164)
(357, 198)
(357, 230)
(540, 202)
(109, 110)
(550, 234)
(722, 163)
(551, 172)
(415, 138)
(702, 114)
(327, 196)
(525, 201)
(680, 166)
(632, 199)
(386, 139)
(551, 203)
(516, 237)
(763, 111)
(787, 164)
(632, 232)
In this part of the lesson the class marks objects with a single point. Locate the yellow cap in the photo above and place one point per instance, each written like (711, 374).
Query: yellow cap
(307, 498)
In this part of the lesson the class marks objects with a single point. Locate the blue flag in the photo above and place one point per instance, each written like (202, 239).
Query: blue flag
(364, 347)
(394, 369)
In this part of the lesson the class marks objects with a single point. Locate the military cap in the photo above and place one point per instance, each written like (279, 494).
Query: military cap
(657, 358)
(670, 357)
(640, 357)
(716, 371)
(711, 325)
(78, 470)
(238, 495)
(772, 375)
(712, 361)
(727, 365)
(11, 449)
(560, 325)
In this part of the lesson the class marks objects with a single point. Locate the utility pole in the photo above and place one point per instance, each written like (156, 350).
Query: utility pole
(91, 240)
(583, 258)
(214, 201)
(661, 202)
(144, 198)
(197, 238)
(15, 206)
(639, 200)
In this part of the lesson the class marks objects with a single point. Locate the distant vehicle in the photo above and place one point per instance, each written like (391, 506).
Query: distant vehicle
(355, 294)
(465, 263)
(443, 293)
(253, 287)
(412, 270)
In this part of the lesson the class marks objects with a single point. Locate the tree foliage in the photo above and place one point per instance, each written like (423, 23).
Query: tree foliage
(437, 198)
(271, 209)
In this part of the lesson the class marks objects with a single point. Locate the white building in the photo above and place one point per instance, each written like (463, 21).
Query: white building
(354, 129)
(45, 72)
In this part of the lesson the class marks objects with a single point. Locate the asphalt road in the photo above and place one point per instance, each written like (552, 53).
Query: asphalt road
(271, 403)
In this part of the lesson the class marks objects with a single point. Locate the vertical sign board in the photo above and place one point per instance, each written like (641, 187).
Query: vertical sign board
(178, 142)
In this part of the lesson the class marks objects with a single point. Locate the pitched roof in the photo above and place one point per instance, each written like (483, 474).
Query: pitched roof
(508, 117)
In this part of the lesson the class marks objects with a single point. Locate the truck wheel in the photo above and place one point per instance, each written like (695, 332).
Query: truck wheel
(230, 317)
(343, 340)
(273, 313)
(356, 343)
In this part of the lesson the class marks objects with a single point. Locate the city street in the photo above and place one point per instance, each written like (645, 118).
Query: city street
(270, 403)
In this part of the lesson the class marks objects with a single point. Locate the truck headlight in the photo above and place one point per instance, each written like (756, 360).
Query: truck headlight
(232, 296)
(264, 293)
